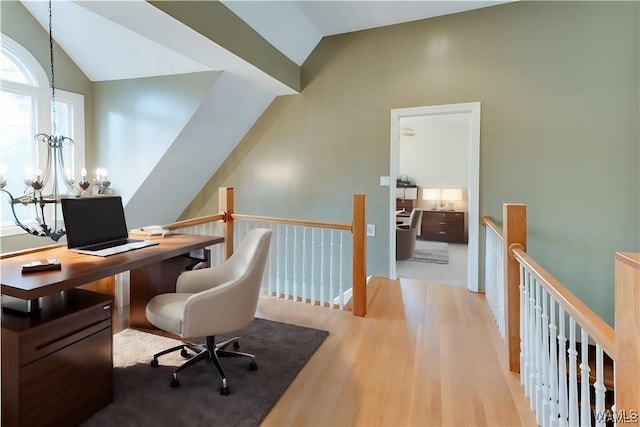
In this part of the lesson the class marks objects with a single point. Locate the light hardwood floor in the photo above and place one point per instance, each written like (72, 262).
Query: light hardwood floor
(453, 273)
(425, 355)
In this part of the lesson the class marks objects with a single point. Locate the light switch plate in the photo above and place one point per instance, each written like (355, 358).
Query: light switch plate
(371, 230)
(384, 181)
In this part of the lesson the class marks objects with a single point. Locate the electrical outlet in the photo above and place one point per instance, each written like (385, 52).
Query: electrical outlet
(371, 230)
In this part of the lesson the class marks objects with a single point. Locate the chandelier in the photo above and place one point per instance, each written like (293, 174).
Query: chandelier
(42, 190)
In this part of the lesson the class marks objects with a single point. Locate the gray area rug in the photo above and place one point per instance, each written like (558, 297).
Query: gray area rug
(143, 397)
(433, 252)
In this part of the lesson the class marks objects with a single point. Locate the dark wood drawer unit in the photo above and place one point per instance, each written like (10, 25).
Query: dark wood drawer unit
(57, 365)
(443, 226)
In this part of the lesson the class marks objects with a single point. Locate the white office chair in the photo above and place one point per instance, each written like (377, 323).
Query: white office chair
(213, 301)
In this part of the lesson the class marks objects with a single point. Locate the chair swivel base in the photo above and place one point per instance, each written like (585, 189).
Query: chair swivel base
(211, 353)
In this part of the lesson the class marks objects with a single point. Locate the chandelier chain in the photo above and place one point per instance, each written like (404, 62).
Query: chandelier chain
(53, 77)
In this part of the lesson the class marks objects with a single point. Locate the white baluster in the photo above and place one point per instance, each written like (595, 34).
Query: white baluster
(563, 397)
(295, 263)
(524, 362)
(600, 389)
(278, 269)
(545, 357)
(573, 375)
(331, 272)
(341, 283)
(269, 266)
(313, 266)
(532, 343)
(286, 262)
(322, 275)
(526, 320)
(538, 353)
(304, 264)
(488, 282)
(553, 365)
(585, 399)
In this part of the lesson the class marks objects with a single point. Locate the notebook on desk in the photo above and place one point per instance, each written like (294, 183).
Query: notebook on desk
(96, 226)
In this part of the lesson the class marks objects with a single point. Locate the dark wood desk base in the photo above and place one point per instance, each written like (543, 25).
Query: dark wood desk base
(57, 365)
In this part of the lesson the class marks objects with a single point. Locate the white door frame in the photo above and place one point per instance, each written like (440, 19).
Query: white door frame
(473, 108)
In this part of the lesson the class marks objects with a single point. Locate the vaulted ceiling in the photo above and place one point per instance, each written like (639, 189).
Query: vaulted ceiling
(128, 39)
(114, 33)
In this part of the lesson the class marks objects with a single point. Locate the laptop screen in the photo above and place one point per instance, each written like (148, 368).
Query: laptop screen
(91, 220)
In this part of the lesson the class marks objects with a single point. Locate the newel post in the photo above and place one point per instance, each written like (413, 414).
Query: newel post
(514, 230)
(359, 227)
(627, 321)
(225, 204)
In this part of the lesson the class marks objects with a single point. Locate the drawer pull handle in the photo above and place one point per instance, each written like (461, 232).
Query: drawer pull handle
(107, 307)
(70, 334)
(442, 232)
(443, 223)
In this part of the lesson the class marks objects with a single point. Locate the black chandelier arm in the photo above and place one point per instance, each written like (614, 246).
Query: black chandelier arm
(15, 201)
(45, 230)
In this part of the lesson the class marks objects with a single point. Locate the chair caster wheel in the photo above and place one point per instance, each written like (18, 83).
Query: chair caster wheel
(236, 346)
(184, 353)
(174, 383)
(154, 363)
(253, 366)
(225, 391)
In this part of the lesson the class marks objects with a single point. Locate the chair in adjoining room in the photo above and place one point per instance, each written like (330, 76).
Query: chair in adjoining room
(212, 301)
(406, 235)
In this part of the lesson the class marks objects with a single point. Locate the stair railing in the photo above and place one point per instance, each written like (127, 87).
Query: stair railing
(316, 262)
(555, 341)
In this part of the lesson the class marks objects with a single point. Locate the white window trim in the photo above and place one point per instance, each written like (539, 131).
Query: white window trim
(42, 93)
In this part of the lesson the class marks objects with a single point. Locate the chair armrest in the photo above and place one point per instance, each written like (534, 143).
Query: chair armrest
(195, 281)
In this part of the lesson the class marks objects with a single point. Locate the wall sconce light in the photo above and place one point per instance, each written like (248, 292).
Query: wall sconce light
(432, 194)
(451, 195)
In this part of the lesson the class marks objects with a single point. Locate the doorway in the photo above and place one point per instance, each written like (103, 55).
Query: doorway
(470, 112)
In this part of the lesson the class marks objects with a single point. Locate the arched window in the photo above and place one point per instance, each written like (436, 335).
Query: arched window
(25, 99)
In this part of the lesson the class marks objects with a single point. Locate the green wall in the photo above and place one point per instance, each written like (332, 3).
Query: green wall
(17, 23)
(558, 83)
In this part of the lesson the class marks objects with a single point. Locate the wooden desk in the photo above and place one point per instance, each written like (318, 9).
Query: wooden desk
(82, 323)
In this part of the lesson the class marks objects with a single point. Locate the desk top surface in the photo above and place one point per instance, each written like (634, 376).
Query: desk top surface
(78, 269)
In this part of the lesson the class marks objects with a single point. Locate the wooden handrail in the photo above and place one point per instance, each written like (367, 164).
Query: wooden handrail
(597, 328)
(488, 222)
(193, 222)
(305, 223)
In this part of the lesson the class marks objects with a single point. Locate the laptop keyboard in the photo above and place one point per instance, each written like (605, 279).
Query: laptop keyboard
(106, 245)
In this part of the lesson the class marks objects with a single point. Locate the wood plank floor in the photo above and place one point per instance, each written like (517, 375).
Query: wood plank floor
(425, 355)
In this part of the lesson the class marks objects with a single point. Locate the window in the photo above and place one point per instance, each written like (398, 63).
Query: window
(25, 99)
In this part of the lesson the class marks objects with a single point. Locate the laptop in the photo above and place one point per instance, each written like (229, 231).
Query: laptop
(96, 226)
